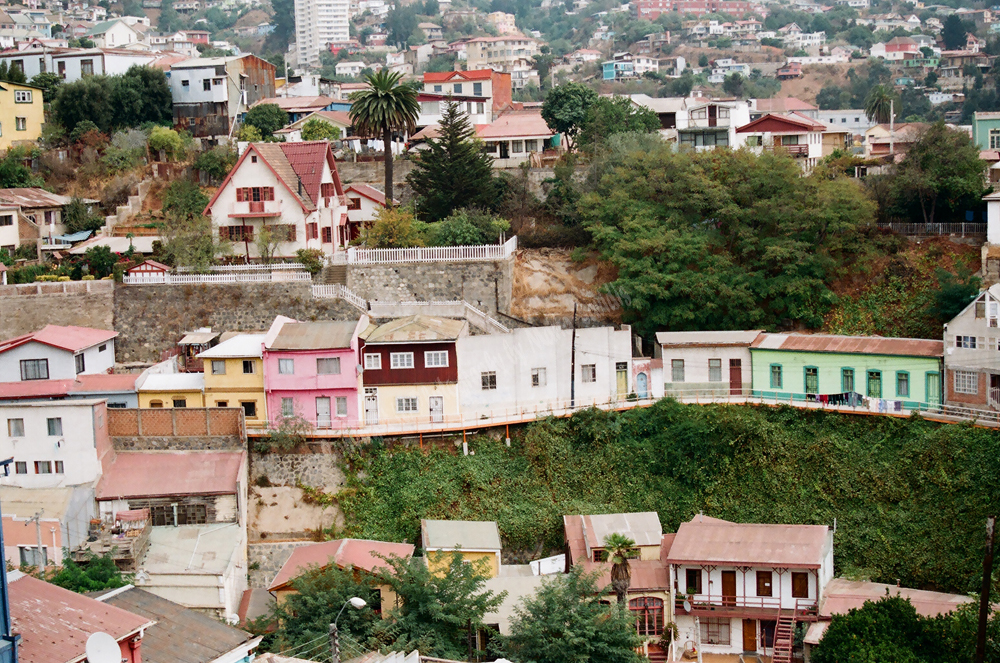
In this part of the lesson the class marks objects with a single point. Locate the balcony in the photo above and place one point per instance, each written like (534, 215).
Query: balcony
(125, 538)
(797, 151)
(255, 209)
(714, 605)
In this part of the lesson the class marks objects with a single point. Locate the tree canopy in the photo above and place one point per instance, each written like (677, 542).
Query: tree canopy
(267, 118)
(136, 97)
(607, 117)
(565, 109)
(317, 129)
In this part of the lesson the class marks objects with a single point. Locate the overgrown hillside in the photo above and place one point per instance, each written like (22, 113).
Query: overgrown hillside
(910, 497)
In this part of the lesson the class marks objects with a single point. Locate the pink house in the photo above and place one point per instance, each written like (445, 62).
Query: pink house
(311, 370)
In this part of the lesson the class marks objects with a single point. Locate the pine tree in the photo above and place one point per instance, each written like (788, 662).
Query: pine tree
(454, 171)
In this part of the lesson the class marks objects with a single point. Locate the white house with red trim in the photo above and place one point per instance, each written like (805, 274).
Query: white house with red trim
(57, 353)
(363, 204)
(798, 135)
(293, 189)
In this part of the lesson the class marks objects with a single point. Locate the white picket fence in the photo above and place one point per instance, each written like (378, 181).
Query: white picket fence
(356, 256)
(235, 277)
(253, 267)
(337, 291)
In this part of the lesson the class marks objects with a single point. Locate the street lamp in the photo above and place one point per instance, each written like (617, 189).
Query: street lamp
(354, 602)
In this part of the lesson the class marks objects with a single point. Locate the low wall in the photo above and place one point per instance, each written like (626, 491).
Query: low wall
(266, 559)
(201, 422)
(318, 470)
(30, 306)
(172, 443)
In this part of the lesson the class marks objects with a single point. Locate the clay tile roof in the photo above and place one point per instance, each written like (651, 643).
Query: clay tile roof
(307, 159)
(54, 623)
(135, 474)
(275, 156)
(711, 541)
(868, 345)
(72, 339)
(517, 124)
(359, 553)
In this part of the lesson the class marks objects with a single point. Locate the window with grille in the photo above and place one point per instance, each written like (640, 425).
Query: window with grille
(812, 380)
(648, 612)
(15, 427)
(22, 96)
(180, 402)
(589, 372)
(254, 194)
(328, 366)
(436, 359)
(373, 361)
(715, 370)
(353, 203)
(715, 631)
(847, 379)
(327, 235)
(966, 382)
(489, 380)
(538, 377)
(406, 404)
(34, 369)
(401, 359)
(677, 370)
(776, 376)
(287, 407)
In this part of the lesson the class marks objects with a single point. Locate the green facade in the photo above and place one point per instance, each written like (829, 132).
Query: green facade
(797, 374)
(981, 128)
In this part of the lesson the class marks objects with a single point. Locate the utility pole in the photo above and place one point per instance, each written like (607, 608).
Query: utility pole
(37, 519)
(572, 363)
(334, 644)
(892, 126)
(984, 592)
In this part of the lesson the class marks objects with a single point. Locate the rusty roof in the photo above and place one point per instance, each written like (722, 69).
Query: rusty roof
(705, 540)
(416, 329)
(357, 553)
(841, 596)
(34, 197)
(647, 575)
(866, 345)
(325, 335)
(643, 528)
(135, 474)
(297, 104)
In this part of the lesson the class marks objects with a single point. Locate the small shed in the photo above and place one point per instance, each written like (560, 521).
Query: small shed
(148, 271)
(193, 344)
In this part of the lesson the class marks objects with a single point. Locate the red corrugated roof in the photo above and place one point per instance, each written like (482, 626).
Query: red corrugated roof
(841, 596)
(706, 540)
(870, 345)
(473, 75)
(135, 474)
(105, 382)
(35, 388)
(517, 124)
(359, 553)
(307, 160)
(368, 192)
(72, 339)
(647, 575)
(54, 623)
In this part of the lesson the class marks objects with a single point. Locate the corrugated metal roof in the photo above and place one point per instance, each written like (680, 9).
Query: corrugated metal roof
(34, 197)
(711, 541)
(706, 338)
(416, 328)
(643, 528)
(647, 575)
(359, 553)
(26, 502)
(469, 534)
(198, 338)
(315, 335)
(241, 345)
(174, 382)
(71, 339)
(869, 345)
(517, 124)
(841, 596)
(192, 549)
(134, 474)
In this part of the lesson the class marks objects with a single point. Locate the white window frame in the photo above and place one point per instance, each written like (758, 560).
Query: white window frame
(338, 402)
(676, 367)
(715, 372)
(488, 380)
(588, 373)
(53, 426)
(286, 366)
(373, 361)
(399, 360)
(967, 342)
(966, 382)
(433, 359)
(22, 96)
(406, 404)
(218, 367)
(15, 427)
(538, 377)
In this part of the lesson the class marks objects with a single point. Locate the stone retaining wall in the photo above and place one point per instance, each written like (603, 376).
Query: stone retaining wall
(318, 470)
(30, 306)
(169, 443)
(485, 285)
(269, 558)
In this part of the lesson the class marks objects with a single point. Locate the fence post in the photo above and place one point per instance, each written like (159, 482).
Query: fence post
(208, 421)
(138, 419)
(173, 421)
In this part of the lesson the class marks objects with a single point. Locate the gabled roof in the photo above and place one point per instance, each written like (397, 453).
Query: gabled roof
(784, 105)
(323, 335)
(643, 528)
(135, 474)
(71, 339)
(416, 329)
(705, 540)
(868, 345)
(647, 575)
(517, 124)
(104, 26)
(781, 123)
(369, 192)
(34, 197)
(467, 534)
(357, 553)
(470, 75)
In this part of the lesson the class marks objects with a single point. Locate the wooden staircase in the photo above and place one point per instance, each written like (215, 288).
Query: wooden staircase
(784, 638)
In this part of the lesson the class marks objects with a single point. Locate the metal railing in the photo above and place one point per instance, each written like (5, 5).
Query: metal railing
(356, 256)
(918, 229)
(235, 277)
(252, 267)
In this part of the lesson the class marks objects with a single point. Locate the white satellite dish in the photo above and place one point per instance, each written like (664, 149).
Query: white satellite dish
(687, 606)
(102, 648)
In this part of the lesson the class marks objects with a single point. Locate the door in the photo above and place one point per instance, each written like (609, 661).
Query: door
(642, 385)
(767, 633)
(735, 377)
(323, 419)
(371, 406)
(729, 588)
(437, 409)
(994, 389)
(749, 635)
(874, 384)
(504, 150)
(933, 387)
(621, 378)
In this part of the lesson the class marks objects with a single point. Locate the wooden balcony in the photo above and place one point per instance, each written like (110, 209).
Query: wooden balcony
(797, 151)
(760, 607)
(255, 209)
(126, 540)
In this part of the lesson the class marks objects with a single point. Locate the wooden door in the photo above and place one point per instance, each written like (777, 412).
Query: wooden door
(800, 585)
(729, 588)
(749, 635)
(735, 377)
(621, 378)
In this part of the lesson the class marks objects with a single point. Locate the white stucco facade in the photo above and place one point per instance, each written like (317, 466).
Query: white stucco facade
(61, 363)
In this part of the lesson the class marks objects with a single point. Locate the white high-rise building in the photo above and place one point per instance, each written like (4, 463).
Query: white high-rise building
(318, 23)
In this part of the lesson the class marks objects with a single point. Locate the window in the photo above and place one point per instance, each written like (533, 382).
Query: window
(489, 380)
(286, 366)
(812, 380)
(436, 359)
(965, 342)
(775, 376)
(328, 366)
(966, 382)
(458, 88)
(87, 69)
(287, 407)
(648, 613)
(155, 403)
(401, 359)
(249, 409)
(61, 67)
(15, 427)
(254, 194)
(373, 361)
(236, 233)
(406, 404)
(693, 579)
(21, 123)
(59, 467)
(30, 556)
(43, 467)
(54, 425)
(903, 384)
(800, 585)
(327, 235)
(80, 363)
(7, 220)
(180, 402)
(102, 347)
(847, 379)
(588, 372)
(874, 384)
(517, 146)
(216, 81)
(186, 514)
(218, 367)
(438, 88)
(755, 141)
(253, 159)
(341, 406)
(538, 377)
(677, 370)
(185, 83)
(980, 309)
(21, 467)
(22, 96)
(353, 203)
(995, 139)
(715, 370)
(221, 403)
(477, 89)
(764, 579)
(714, 631)
(529, 145)
(248, 367)
(206, 84)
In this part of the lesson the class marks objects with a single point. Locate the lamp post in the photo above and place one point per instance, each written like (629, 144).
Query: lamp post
(354, 602)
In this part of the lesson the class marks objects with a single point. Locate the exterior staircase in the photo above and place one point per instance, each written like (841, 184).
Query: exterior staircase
(334, 275)
(784, 638)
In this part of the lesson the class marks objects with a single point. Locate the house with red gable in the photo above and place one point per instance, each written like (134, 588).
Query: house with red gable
(363, 204)
(291, 190)
(56, 352)
(794, 133)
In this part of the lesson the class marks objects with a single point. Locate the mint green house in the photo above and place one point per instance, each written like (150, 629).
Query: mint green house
(807, 366)
(986, 130)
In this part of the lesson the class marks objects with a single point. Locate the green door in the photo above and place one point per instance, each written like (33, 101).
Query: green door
(874, 384)
(933, 388)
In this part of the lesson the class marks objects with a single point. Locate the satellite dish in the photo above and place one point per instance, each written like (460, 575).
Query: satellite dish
(687, 606)
(102, 648)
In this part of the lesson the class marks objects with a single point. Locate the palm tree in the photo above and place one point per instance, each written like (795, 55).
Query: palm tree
(380, 109)
(619, 548)
(878, 104)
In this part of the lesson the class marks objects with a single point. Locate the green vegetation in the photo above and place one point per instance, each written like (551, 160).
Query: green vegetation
(138, 96)
(96, 574)
(317, 129)
(267, 118)
(910, 497)
(565, 109)
(607, 117)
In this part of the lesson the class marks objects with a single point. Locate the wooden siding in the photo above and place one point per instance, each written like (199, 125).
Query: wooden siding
(419, 374)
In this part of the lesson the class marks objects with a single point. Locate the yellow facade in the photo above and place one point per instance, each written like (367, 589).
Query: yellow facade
(191, 398)
(389, 394)
(21, 114)
(389, 598)
(236, 387)
(439, 560)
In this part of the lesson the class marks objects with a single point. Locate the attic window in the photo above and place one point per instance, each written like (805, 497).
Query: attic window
(253, 159)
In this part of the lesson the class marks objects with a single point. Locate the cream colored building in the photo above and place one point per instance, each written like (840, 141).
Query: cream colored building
(500, 53)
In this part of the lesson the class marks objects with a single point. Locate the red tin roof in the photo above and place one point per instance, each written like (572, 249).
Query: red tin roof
(359, 553)
(135, 474)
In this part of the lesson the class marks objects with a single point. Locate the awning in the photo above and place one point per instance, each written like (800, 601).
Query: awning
(75, 237)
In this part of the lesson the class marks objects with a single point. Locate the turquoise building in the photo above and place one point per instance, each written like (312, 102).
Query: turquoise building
(806, 366)
(986, 130)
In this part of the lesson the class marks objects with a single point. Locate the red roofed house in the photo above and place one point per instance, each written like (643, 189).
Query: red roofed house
(54, 623)
(292, 189)
(57, 353)
(488, 86)
(799, 136)
(360, 555)
(363, 203)
(515, 136)
(747, 584)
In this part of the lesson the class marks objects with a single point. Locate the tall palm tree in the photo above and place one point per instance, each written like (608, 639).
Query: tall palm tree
(383, 107)
(878, 104)
(619, 548)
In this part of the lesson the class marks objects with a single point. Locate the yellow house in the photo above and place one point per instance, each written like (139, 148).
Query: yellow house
(172, 390)
(21, 114)
(234, 377)
(474, 540)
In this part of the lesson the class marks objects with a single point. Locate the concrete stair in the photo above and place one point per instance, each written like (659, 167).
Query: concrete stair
(334, 275)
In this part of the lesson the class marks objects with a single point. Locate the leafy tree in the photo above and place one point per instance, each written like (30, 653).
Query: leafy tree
(249, 133)
(184, 200)
(85, 99)
(436, 607)
(466, 227)
(96, 574)
(13, 75)
(401, 22)
(49, 82)
(931, 79)
(283, 21)
(386, 106)
(317, 129)
(565, 109)
(101, 260)
(878, 104)
(619, 548)
(267, 118)
(954, 293)
(607, 117)
(393, 228)
(82, 128)
(702, 60)
(566, 613)
(77, 217)
(13, 172)
(454, 171)
(832, 97)
(953, 33)
(216, 162)
(733, 85)
(162, 139)
(140, 95)
(941, 170)
(170, 20)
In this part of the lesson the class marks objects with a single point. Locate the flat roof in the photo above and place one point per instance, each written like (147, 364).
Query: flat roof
(180, 550)
(134, 474)
(467, 534)
(26, 502)
(174, 382)
(241, 345)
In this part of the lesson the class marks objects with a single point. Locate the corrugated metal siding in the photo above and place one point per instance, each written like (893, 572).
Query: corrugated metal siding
(419, 374)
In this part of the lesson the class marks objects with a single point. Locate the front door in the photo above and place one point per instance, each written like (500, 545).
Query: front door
(994, 390)
(933, 387)
(437, 409)
(767, 633)
(371, 406)
(323, 419)
(749, 635)
(735, 377)
(874, 384)
(621, 378)
(642, 385)
(729, 588)
(504, 150)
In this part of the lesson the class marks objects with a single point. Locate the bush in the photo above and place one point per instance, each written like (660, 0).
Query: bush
(162, 139)
(26, 274)
(82, 127)
(290, 433)
(468, 227)
(216, 162)
(77, 217)
(311, 259)
(126, 151)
